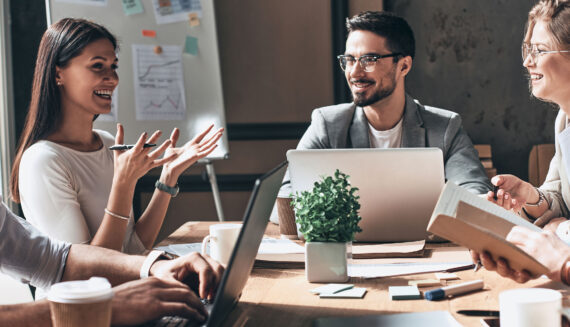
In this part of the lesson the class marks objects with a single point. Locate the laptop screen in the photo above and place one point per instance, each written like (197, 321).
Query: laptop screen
(245, 250)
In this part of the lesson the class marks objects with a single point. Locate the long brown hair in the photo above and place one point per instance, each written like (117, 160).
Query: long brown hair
(60, 43)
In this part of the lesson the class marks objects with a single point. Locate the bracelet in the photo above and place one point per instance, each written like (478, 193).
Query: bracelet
(564, 271)
(541, 198)
(112, 214)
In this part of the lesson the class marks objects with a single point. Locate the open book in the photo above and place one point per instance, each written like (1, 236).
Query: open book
(472, 221)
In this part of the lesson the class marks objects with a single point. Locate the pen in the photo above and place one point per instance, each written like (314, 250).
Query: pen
(129, 146)
(477, 266)
(479, 313)
(462, 288)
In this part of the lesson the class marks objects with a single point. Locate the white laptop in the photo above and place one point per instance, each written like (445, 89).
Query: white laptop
(398, 188)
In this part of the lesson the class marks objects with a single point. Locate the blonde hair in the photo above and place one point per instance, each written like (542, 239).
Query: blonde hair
(556, 15)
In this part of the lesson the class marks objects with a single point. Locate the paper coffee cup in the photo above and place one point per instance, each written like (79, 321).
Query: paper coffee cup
(530, 307)
(84, 303)
(287, 225)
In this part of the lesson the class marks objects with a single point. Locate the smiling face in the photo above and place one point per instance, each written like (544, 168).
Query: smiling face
(87, 82)
(370, 87)
(550, 72)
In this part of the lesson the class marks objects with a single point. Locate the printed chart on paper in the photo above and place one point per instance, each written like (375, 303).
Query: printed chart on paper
(159, 83)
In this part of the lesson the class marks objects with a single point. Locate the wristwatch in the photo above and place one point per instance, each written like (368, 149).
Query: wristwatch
(173, 191)
(150, 259)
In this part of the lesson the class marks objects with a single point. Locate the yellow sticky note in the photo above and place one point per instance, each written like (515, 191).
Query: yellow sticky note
(424, 282)
(194, 19)
(446, 276)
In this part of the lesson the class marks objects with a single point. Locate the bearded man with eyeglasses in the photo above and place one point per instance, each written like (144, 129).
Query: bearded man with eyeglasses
(379, 52)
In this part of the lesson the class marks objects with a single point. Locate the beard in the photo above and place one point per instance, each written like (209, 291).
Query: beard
(360, 99)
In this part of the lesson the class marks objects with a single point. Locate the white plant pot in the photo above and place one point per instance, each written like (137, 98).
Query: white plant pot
(326, 262)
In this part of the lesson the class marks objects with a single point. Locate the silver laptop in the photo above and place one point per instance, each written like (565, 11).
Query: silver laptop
(245, 250)
(398, 188)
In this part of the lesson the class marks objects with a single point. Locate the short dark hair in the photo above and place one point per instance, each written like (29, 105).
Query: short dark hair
(399, 35)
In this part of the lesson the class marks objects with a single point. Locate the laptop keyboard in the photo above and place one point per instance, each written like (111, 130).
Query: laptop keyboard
(175, 321)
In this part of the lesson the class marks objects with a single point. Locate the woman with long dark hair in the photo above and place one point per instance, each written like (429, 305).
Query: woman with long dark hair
(70, 185)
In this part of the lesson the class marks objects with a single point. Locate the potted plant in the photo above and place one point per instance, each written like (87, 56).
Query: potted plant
(328, 219)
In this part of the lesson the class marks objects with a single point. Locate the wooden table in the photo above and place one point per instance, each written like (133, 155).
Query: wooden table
(280, 297)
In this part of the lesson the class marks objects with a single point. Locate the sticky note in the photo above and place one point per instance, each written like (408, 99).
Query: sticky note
(193, 18)
(353, 293)
(331, 288)
(404, 292)
(191, 45)
(424, 282)
(132, 7)
(446, 276)
(149, 33)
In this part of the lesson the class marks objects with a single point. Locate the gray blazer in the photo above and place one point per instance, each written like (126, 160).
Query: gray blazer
(346, 126)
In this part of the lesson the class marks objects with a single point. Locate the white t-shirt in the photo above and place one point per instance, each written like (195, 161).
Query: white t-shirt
(391, 138)
(64, 192)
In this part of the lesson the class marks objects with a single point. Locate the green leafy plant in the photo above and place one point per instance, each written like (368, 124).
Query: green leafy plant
(328, 213)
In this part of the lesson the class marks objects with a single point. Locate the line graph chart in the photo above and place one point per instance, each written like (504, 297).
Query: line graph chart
(159, 83)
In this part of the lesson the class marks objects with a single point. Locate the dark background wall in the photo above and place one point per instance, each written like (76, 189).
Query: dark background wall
(468, 60)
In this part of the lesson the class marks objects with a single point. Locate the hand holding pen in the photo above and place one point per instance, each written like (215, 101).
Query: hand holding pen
(140, 158)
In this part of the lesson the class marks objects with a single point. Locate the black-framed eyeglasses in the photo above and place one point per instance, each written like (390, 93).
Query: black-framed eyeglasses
(367, 62)
(532, 50)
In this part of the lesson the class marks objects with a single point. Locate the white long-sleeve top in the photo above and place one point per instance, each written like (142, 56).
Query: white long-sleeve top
(64, 192)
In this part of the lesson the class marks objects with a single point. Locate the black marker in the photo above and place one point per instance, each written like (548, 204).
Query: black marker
(480, 313)
(130, 146)
(495, 189)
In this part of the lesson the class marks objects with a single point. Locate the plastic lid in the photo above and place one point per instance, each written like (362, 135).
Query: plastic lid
(96, 289)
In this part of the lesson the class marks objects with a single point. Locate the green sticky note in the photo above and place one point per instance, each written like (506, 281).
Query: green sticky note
(404, 292)
(191, 45)
(132, 7)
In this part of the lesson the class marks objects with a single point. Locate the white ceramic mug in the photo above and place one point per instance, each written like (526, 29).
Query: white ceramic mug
(222, 239)
(530, 307)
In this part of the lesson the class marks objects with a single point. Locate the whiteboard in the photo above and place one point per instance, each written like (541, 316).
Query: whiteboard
(204, 103)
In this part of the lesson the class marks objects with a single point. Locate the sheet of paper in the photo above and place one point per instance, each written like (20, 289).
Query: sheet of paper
(353, 293)
(132, 7)
(279, 246)
(172, 11)
(268, 246)
(400, 269)
(331, 288)
(159, 83)
(183, 249)
(112, 116)
(101, 3)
